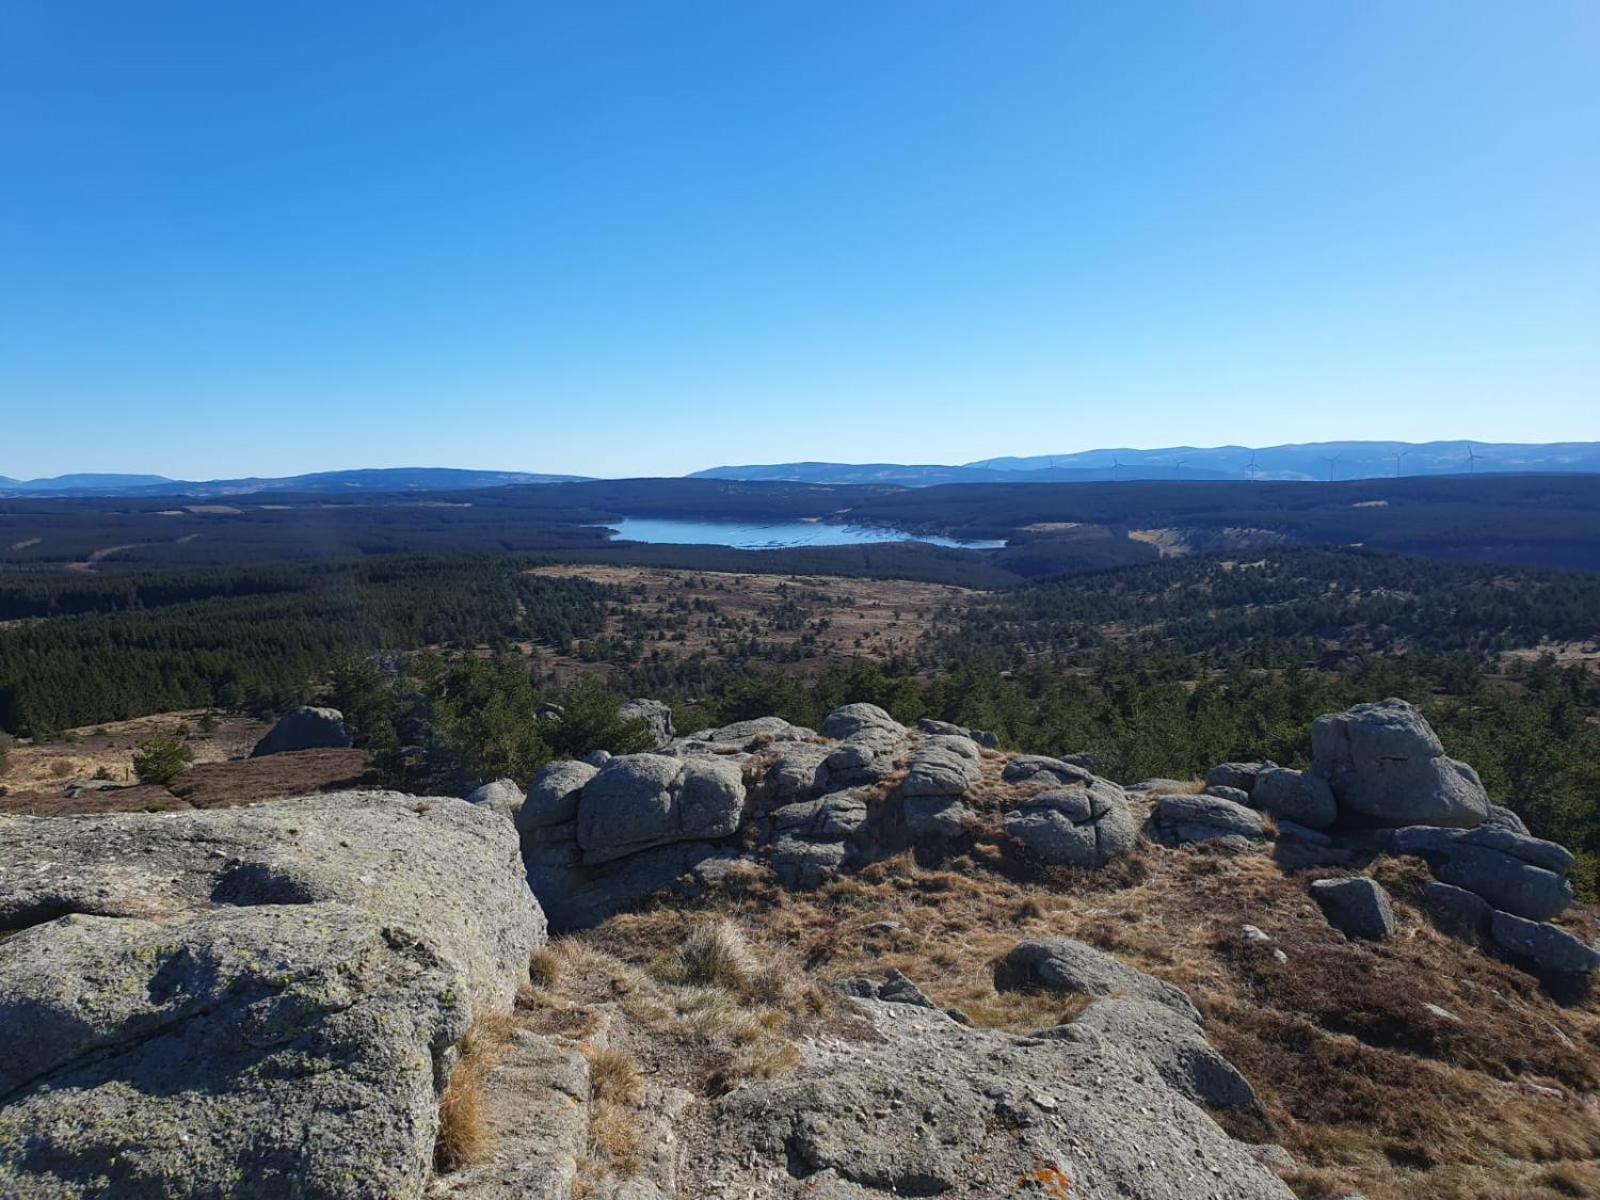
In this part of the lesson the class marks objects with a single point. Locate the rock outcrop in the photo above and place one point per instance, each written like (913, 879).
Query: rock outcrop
(251, 1002)
(501, 795)
(305, 728)
(1384, 763)
(931, 1107)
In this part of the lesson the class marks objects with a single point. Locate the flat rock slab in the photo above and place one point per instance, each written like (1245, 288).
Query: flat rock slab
(254, 1002)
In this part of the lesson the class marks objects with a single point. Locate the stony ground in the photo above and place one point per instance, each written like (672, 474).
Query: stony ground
(1417, 1068)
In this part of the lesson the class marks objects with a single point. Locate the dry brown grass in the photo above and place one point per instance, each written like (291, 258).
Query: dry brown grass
(464, 1135)
(614, 1077)
(1370, 1091)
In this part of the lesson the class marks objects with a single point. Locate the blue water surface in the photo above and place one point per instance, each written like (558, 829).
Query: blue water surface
(772, 535)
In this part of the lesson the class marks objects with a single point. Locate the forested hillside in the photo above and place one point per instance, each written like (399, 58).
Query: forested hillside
(85, 649)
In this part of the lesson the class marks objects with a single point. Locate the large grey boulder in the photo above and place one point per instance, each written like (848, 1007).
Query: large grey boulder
(656, 714)
(247, 1002)
(1513, 872)
(927, 1106)
(1545, 946)
(1083, 826)
(1357, 906)
(305, 728)
(1182, 818)
(1384, 762)
(853, 718)
(943, 766)
(639, 801)
(553, 797)
(866, 756)
(1298, 796)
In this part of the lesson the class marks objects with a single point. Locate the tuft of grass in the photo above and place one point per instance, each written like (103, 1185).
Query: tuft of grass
(713, 954)
(544, 968)
(614, 1077)
(464, 1135)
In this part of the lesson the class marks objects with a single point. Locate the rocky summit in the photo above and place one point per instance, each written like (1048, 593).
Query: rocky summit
(865, 960)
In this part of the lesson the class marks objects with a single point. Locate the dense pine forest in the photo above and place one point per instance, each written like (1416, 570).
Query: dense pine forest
(82, 649)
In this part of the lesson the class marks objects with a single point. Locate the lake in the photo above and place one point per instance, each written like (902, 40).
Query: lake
(773, 535)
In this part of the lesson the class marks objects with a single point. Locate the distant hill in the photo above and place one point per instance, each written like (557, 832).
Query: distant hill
(931, 475)
(1319, 461)
(380, 479)
(82, 483)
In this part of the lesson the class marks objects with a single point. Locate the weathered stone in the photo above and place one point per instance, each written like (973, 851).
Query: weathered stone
(656, 715)
(981, 736)
(746, 735)
(553, 798)
(853, 718)
(834, 817)
(1545, 946)
(247, 1002)
(1222, 792)
(1426, 839)
(1084, 826)
(1298, 796)
(1184, 818)
(502, 796)
(943, 766)
(305, 728)
(1025, 768)
(941, 816)
(801, 770)
(1506, 880)
(1356, 906)
(1457, 911)
(638, 801)
(1175, 1046)
(806, 862)
(1241, 775)
(866, 756)
(1384, 762)
(915, 1111)
(1063, 965)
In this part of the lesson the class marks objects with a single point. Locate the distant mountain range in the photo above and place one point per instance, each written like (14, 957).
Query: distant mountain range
(380, 479)
(1299, 461)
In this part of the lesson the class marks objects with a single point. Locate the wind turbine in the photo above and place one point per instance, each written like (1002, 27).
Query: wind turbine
(1177, 467)
(1397, 457)
(1331, 462)
(1252, 466)
(1472, 461)
(1116, 468)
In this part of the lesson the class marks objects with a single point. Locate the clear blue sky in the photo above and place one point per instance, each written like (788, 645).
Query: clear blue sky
(241, 237)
